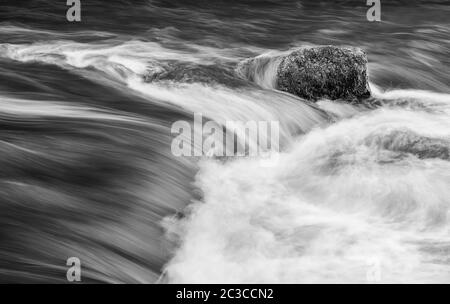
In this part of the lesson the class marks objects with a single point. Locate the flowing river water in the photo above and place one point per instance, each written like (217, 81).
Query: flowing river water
(86, 168)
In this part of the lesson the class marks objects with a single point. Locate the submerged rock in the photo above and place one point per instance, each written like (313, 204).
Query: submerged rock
(180, 72)
(324, 72)
(407, 143)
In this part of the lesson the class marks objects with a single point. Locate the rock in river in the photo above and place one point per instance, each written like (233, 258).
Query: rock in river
(324, 72)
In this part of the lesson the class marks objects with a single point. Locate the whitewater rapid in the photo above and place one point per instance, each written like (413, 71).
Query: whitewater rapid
(351, 188)
(340, 200)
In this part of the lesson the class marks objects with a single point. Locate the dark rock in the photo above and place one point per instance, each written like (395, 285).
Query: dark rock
(324, 72)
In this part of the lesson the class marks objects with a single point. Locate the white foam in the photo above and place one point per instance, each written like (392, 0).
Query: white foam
(331, 207)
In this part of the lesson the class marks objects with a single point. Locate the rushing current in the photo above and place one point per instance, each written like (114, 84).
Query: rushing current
(87, 171)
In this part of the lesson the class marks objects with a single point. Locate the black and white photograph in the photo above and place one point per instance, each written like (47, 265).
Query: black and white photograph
(224, 142)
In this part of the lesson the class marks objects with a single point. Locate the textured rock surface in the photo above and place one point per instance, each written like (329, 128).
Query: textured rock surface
(325, 72)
